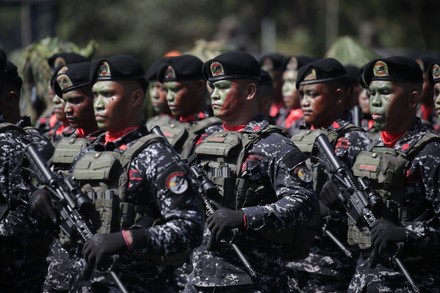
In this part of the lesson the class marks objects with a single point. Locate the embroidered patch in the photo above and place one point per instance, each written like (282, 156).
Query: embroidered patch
(217, 69)
(64, 81)
(380, 69)
(170, 73)
(435, 71)
(303, 174)
(176, 182)
(104, 70)
(311, 75)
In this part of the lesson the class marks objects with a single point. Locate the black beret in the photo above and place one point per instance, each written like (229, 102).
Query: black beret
(64, 58)
(184, 67)
(272, 61)
(434, 72)
(396, 68)
(424, 62)
(296, 62)
(118, 67)
(152, 71)
(2, 60)
(353, 73)
(321, 71)
(10, 73)
(71, 77)
(232, 65)
(266, 79)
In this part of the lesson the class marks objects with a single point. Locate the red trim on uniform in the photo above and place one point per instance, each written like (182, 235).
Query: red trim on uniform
(127, 243)
(237, 128)
(294, 115)
(275, 109)
(245, 221)
(390, 139)
(80, 133)
(109, 137)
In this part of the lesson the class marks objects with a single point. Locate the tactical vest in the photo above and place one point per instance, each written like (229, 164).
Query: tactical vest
(221, 156)
(183, 136)
(305, 141)
(386, 170)
(66, 151)
(104, 178)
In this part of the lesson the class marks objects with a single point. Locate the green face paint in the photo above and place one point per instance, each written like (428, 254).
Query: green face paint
(220, 92)
(381, 95)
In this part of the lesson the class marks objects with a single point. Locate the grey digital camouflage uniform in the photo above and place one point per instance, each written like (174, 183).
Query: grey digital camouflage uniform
(420, 254)
(181, 229)
(269, 162)
(23, 243)
(328, 268)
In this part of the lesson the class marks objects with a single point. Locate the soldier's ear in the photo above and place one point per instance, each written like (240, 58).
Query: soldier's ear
(138, 97)
(12, 97)
(251, 91)
(414, 99)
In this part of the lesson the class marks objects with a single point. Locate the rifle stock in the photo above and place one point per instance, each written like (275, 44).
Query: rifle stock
(362, 201)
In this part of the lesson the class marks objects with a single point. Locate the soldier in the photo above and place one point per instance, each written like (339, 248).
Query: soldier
(24, 244)
(158, 96)
(72, 85)
(325, 93)
(434, 79)
(263, 187)
(187, 98)
(425, 109)
(407, 224)
(148, 212)
(53, 122)
(273, 64)
(290, 116)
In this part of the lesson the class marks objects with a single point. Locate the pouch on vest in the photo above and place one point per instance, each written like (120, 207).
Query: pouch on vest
(67, 149)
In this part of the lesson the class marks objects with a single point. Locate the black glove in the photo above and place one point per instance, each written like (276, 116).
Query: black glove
(98, 249)
(41, 207)
(223, 220)
(384, 234)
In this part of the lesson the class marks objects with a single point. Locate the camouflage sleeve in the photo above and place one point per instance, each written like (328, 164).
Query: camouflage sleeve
(166, 179)
(291, 181)
(350, 145)
(424, 234)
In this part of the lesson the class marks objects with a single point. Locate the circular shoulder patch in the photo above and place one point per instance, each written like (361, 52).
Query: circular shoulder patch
(303, 174)
(176, 182)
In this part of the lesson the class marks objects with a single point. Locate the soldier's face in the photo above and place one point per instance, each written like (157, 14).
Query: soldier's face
(112, 105)
(364, 102)
(58, 108)
(318, 104)
(290, 94)
(388, 105)
(79, 109)
(181, 98)
(158, 97)
(227, 98)
(437, 99)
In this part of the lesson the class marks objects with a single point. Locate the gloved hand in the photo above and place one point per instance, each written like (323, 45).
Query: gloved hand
(223, 220)
(384, 234)
(41, 207)
(98, 249)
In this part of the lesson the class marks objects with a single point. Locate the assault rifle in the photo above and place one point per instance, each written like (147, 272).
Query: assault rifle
(208, 190)
(363, 202)
(70, 203)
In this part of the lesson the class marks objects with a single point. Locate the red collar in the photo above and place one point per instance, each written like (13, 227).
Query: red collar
(192, 118)
(294, 115)
(110, 137)
(237, 128)
(390, 139)
(80, 133)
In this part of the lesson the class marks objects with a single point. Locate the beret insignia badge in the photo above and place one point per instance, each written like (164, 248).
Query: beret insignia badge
(311, 75)
(435, 71)
(104, 70)
(217, 69)
(170, 73)
(64, 81)
(380, 69)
